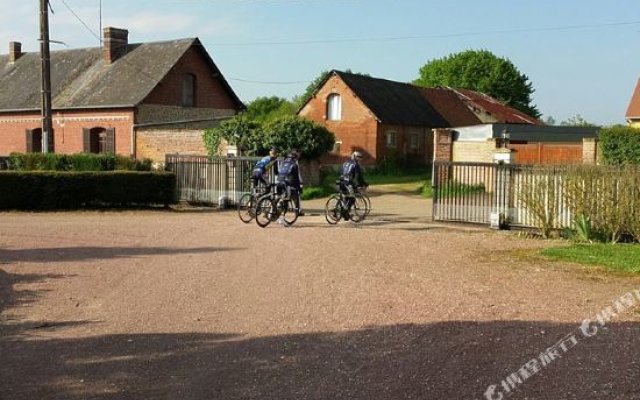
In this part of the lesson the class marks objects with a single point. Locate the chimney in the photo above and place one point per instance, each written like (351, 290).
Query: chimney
(114, 43)
(15, 51)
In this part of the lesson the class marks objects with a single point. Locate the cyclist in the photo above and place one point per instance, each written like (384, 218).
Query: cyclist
(351, 176)
(259, 173)
(289, 176)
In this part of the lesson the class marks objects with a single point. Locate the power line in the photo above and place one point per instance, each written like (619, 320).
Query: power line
(438, 36)
(80, 19)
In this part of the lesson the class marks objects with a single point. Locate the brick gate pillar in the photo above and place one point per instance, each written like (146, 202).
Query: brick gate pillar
(590, 151)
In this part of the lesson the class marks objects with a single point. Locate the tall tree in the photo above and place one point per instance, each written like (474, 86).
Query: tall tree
(265, 109)
(482, 71)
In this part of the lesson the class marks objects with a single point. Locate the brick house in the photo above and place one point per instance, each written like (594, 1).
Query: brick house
(142, 100)
(633, 111)
(381, 117)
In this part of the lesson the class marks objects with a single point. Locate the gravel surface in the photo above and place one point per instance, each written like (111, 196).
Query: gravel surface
(197, 305)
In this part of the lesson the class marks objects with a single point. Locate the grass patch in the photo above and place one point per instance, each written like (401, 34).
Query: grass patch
(316, 192)
(612, 257)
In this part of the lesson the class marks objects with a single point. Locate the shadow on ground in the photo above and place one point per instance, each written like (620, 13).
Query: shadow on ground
(63, 254)
(446, 360)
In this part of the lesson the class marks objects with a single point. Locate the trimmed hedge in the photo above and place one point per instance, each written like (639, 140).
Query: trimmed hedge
(620, 145)
(71, 190)
(75, 162)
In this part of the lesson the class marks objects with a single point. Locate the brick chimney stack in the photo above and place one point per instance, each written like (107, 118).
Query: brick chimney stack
(15, 51)
(114, 43)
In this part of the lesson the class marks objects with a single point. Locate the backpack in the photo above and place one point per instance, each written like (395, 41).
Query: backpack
(286, 167)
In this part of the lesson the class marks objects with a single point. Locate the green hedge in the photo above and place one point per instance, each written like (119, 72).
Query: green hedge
(75, 162)
(620, 145)
(71, 190)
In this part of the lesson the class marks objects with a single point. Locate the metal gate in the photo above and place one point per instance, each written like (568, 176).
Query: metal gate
(217, 181)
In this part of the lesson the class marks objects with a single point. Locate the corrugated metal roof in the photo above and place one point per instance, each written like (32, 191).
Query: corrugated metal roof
(502, 112)
(80, 78)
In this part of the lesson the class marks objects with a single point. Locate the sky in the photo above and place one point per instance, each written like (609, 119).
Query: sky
(582, 57)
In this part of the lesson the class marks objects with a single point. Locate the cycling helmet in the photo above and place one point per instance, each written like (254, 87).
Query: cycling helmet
(293, 154)
(356, 155)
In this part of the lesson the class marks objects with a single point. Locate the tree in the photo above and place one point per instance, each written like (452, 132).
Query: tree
(549, 120)
(265, 109)
(295, 133)
(286, 133)
(300, 100)
(240, 131)
(482, 71)
(577, 120)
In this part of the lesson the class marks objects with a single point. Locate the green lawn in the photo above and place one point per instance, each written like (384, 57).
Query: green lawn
(611, 257)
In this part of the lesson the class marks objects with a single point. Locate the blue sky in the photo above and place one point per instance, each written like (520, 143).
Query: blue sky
(581, 56)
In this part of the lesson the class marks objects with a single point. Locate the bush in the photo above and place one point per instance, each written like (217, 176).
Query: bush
(71, 190)
(620, 145)
(75, 162)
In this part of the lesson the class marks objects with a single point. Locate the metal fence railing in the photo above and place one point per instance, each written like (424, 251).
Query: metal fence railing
(474, 192)
(211, 180)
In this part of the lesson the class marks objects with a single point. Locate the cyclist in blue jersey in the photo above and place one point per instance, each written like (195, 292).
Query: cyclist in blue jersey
(351, 176)
(259, 173)
(289, 176)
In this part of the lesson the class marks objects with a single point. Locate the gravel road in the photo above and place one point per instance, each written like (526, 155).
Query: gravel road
(197, 305)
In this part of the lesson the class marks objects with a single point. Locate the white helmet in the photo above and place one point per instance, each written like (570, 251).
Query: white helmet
(356, 155)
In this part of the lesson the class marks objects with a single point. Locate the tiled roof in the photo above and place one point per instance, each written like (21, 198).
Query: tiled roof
(633, 111)
(80, 79)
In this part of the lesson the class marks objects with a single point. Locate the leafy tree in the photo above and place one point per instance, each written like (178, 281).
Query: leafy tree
(240, 131)
(286, 133)
(295, 133)
(482, 71)
(265, 109)
(549, 120)
(576, 120)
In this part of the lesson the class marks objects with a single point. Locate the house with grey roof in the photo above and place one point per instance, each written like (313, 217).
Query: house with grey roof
(384, 118)
(143, 99)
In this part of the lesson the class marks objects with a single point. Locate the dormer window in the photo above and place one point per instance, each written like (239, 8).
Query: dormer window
(189, 90)
(334, 107)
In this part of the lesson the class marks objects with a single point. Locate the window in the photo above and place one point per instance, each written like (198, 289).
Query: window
(414, 141)
(189, 91)
(391, 139)
(334, 107)
(336, 147)
(34, 141)
(99, 140)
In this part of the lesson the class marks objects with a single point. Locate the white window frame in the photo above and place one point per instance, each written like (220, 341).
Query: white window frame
(388, 139)
(334, 107)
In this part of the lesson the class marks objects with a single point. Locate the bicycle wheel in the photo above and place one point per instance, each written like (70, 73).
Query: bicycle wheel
(358, 210)
(265, 211)
(288, 213)
(333, 209)
(247, 208)
(368, 199)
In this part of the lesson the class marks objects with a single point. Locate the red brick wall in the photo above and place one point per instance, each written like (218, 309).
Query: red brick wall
(67, 128)
(357, 129)
(210, 93)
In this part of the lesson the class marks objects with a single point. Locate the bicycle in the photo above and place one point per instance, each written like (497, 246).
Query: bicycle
(337, 207)
(367, 201)
(248, 202)
(274, 205)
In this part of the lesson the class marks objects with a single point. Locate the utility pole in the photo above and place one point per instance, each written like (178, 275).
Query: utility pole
(46, 75)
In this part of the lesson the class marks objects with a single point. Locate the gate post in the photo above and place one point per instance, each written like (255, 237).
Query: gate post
(501, 208)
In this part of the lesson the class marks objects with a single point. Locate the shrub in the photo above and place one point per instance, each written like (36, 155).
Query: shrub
(620, 145)
(75, 162)
(70, 190)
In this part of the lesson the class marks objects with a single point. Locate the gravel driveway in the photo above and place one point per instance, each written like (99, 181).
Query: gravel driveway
(196, 305)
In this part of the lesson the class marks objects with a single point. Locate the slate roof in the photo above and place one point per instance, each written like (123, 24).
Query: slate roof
(448, 104)
(80, 79)
(441, 107)
(633, 111)
(393, 102)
